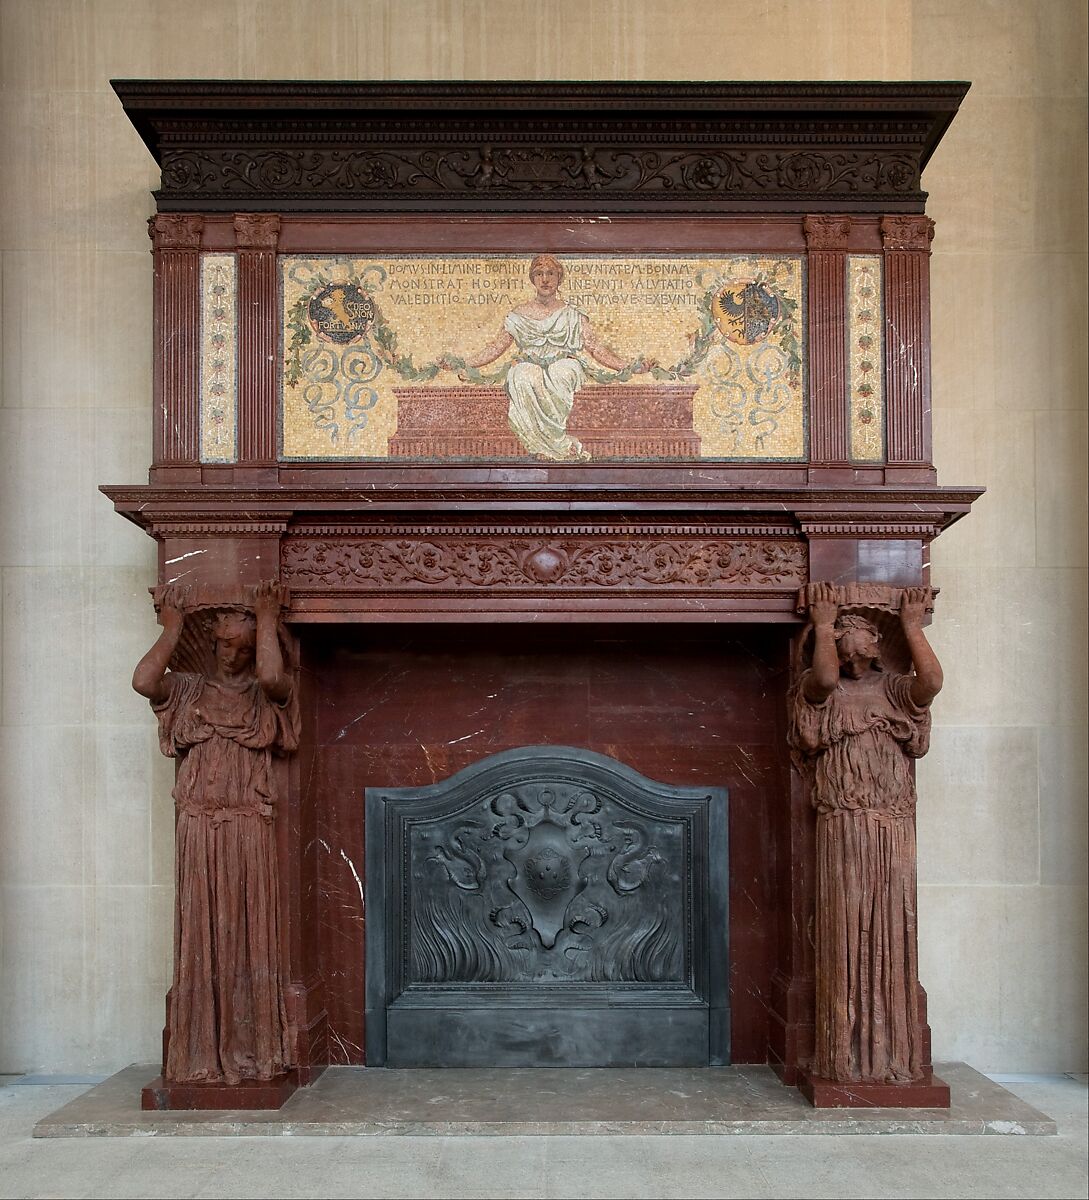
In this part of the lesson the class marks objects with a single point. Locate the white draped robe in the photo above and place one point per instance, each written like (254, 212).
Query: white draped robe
(543, 380)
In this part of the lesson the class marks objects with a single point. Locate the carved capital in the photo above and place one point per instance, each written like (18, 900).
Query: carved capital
(256, 231)
(827, 233)
(907, 233)
(884, 597)
(199, 597)
(175, 231)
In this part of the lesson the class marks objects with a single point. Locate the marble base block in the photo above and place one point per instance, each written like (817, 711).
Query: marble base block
(160, 1096)
(930, 1092)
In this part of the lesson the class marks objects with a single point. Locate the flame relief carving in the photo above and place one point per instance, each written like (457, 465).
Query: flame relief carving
(547, 882)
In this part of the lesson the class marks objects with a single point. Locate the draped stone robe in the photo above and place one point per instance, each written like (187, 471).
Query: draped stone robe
(858, 746)
(227, 1018)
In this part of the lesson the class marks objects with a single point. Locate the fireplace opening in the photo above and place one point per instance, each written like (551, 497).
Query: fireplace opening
(697, 708)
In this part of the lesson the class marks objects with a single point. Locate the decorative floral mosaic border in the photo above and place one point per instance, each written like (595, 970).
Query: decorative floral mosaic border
(218, 358)
(866, 357)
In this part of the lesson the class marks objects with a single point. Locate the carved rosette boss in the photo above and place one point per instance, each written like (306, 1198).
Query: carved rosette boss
(856, 725)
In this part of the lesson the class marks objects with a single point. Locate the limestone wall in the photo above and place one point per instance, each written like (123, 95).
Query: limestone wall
(85, 813)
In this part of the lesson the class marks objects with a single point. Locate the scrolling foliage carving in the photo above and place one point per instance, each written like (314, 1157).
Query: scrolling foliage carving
(547, 881)
(517, 170)
(568, 563)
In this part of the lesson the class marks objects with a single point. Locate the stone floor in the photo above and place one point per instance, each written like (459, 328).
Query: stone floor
(607, 1165)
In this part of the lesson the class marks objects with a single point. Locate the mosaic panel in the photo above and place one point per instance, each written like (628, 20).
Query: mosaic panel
(595, 357)
(866, 357)
(218, 358)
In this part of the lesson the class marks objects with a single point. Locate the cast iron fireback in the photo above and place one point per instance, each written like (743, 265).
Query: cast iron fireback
(547, 906)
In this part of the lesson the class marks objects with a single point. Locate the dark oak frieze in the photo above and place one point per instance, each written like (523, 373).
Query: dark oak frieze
(347, 179)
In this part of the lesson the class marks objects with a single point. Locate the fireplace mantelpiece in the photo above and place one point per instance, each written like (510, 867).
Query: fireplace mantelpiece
(780, 324)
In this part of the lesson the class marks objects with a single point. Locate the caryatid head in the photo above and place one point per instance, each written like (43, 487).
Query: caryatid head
(235, 637)
(857, 644)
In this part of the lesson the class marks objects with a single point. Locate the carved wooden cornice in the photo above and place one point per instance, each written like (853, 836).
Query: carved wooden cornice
(538, 147)
(842, 511)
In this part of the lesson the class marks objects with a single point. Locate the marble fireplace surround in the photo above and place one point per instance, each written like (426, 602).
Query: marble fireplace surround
(440, 608)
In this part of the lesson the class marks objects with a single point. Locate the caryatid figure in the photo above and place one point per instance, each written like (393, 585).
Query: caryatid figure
(856, 728)
(227, 1020)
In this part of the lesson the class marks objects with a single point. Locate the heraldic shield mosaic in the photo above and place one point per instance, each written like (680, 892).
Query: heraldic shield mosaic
(557, 359)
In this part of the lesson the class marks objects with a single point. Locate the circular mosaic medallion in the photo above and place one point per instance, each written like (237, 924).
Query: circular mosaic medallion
(341, 312)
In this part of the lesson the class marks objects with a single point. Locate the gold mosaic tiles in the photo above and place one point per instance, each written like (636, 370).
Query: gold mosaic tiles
(218, 358)
(866, 357)
(428, 356)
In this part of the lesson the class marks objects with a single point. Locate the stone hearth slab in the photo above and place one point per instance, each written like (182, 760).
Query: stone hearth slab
(358, 1101)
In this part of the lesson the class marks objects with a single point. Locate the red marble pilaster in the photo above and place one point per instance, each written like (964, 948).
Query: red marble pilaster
(906, 242)
(256, 237)
(791, 1010)
(829, 435)
(176, 240)
(307, 1018)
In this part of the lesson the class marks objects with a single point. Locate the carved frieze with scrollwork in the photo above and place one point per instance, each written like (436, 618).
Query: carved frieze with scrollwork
(565, 171)
(412, 559)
